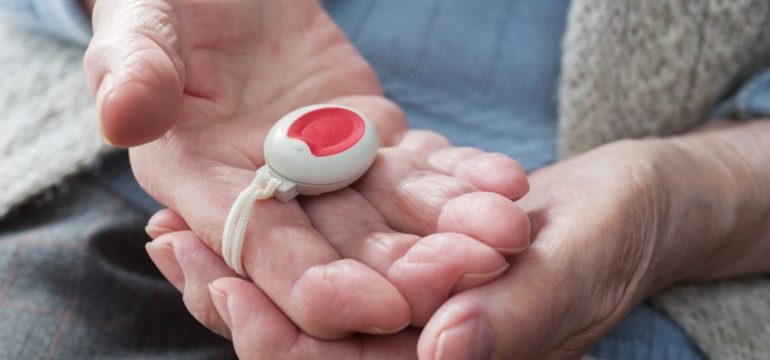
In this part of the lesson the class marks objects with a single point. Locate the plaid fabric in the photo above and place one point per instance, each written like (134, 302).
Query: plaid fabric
(76, 283)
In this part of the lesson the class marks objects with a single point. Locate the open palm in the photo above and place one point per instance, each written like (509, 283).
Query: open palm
(597, 251)
(194, 86)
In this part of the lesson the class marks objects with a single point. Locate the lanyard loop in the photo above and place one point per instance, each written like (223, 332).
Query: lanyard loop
(262, 187)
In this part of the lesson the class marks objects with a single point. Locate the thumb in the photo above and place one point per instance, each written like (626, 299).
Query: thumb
(134, 68)
(523, 315)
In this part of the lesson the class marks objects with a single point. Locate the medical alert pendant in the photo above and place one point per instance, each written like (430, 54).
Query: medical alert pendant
(319, 149)
(310, 151)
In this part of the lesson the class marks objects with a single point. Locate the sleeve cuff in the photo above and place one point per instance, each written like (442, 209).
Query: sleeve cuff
(64, 19)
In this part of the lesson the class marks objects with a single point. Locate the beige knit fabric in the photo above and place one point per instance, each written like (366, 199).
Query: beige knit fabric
(636, 68)
(48, 126)
(728, 320)
(631, 68)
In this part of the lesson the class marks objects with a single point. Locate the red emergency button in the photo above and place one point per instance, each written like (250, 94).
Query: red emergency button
(320, 148)
(328, 131)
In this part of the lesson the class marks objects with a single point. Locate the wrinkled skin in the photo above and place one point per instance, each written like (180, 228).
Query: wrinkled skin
(193, 87)
(198, 83)
(596, 226)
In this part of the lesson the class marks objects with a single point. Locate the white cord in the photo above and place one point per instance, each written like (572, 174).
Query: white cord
(262, 187)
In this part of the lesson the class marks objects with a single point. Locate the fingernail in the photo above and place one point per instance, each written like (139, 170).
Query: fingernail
(472, 280)
(373, 330)
(156, 231)
(105, 88)
(511, 251)
(471, 339)
(104, 92)
(219, 298)
(489, 275)
(162, 254)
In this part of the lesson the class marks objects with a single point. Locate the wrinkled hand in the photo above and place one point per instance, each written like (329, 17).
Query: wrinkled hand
(599, 224)
(200, 83)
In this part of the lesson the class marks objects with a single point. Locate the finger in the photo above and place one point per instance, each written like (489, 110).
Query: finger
(282, 253)
(191, 266)
(134, 68)
(446, 160)
(440, 265)
(408, 197)
(489, 217)
(491, 172)
(163, 222)
(356, 230)
(425, 270)
(422, 142)
(416, 201)
(261, 331)
(522, 315)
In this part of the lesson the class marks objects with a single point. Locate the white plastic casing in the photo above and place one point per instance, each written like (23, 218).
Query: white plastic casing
(292, 160)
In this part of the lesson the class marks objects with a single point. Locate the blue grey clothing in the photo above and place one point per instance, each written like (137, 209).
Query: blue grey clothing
(483, 73)
(76, 283)
(647, 333)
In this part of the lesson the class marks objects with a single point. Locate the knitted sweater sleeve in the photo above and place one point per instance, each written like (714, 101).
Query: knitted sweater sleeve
(62, 19)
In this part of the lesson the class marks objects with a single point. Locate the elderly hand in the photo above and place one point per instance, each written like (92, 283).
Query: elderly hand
(200, 83)
(600, 222)
(596, 218)
(602, 242)
(425, 271)
(611, 227)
